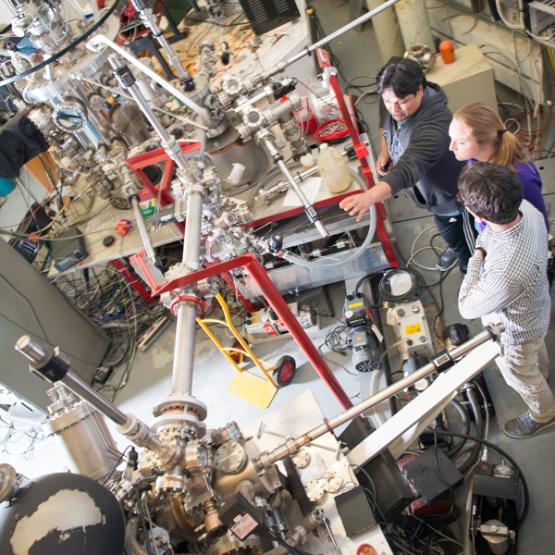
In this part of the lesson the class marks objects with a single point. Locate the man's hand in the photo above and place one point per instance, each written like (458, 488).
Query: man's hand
(383, 162)
(480, 253)
(357, 205)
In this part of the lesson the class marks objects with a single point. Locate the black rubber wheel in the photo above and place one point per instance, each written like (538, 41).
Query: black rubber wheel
(285, 370)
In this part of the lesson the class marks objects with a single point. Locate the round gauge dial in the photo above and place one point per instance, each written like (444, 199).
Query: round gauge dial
(70, 115)
(230, 458)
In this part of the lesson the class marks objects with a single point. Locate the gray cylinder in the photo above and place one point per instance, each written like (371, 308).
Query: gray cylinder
(414, 24)
(84, 433)
(387, 31)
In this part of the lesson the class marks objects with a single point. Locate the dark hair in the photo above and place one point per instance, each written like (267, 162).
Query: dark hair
(491, 191)
(404, 76)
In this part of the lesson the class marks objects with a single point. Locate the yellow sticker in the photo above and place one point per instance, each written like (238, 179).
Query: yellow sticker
(358, 304)
(413, 328)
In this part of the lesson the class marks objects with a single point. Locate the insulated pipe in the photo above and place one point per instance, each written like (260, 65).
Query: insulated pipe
(184, 348)
(414, 24)
(388, 34)
(293, 445)
(199, 110)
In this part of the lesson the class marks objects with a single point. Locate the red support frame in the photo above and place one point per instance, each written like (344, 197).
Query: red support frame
(133, 281)
(361, 152)
(150, 158)
(259, 275)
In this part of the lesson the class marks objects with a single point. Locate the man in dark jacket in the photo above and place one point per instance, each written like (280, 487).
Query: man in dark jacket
(415, 158)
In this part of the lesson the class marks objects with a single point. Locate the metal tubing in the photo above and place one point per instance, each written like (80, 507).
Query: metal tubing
(40, 356)
(145, 237)
(293, 182)
(173, 57)
(95, 41)
(184, 348)
(293, 445)
(355, 23)
(276, 301)
(149, 20)
(83, 390)
(183, 357)
(309, 209)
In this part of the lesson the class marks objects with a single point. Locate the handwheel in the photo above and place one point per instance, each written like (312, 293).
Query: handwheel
(284, 371)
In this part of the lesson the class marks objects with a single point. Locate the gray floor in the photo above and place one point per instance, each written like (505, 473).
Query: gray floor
(150, 378)
(535, 455)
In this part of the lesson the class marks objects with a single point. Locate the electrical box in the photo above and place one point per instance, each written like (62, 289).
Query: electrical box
(468, 79)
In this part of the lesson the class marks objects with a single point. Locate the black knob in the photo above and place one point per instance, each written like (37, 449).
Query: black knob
(189, 84)
(276, 242)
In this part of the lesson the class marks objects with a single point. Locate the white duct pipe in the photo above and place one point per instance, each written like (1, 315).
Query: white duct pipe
(414, 24)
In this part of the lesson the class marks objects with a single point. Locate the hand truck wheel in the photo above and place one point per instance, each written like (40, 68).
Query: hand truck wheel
(285, 370)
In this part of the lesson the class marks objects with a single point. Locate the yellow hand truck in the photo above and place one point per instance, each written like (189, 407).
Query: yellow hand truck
(253, 388)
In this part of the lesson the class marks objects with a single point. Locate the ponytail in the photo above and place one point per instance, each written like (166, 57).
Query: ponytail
(487, 128)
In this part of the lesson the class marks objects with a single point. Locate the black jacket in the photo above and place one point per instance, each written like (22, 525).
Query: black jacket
(20, 141)
(422, 163)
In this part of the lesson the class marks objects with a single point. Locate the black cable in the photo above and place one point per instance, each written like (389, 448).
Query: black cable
(505, 455)
(63, 51)
(116, 465)
(461, 410)
(384, 288)
(479, 423)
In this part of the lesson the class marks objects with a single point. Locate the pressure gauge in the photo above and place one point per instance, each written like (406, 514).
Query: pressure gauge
(230, 458)
(70, 115)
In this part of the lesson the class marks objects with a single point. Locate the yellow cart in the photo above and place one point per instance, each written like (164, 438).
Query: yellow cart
(256, 389)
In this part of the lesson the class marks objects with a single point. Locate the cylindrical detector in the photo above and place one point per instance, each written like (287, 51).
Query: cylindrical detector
(84, 433)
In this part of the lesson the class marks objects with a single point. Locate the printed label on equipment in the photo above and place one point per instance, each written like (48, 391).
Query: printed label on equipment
(244, 525)
(413, 328)
(355, 305)
(270, 330)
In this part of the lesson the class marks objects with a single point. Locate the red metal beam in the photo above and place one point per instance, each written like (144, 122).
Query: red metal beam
(276, 301)
(361, 152)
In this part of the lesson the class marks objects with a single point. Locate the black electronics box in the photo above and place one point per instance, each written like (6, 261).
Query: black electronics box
(265, 15)
(355, 511)
(432, 474)
(68, 248)
(379, 475)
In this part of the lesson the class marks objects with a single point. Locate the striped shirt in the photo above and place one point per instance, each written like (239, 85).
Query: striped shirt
(510, 285)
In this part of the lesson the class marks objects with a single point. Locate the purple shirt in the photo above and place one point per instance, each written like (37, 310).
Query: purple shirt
(531, 182)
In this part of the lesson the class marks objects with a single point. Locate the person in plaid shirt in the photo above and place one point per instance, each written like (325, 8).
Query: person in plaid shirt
(506, 282)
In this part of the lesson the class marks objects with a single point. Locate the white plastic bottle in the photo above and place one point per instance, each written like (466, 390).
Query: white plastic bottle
(333, 170)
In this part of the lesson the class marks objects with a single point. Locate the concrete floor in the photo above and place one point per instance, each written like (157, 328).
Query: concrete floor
(150, 379)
